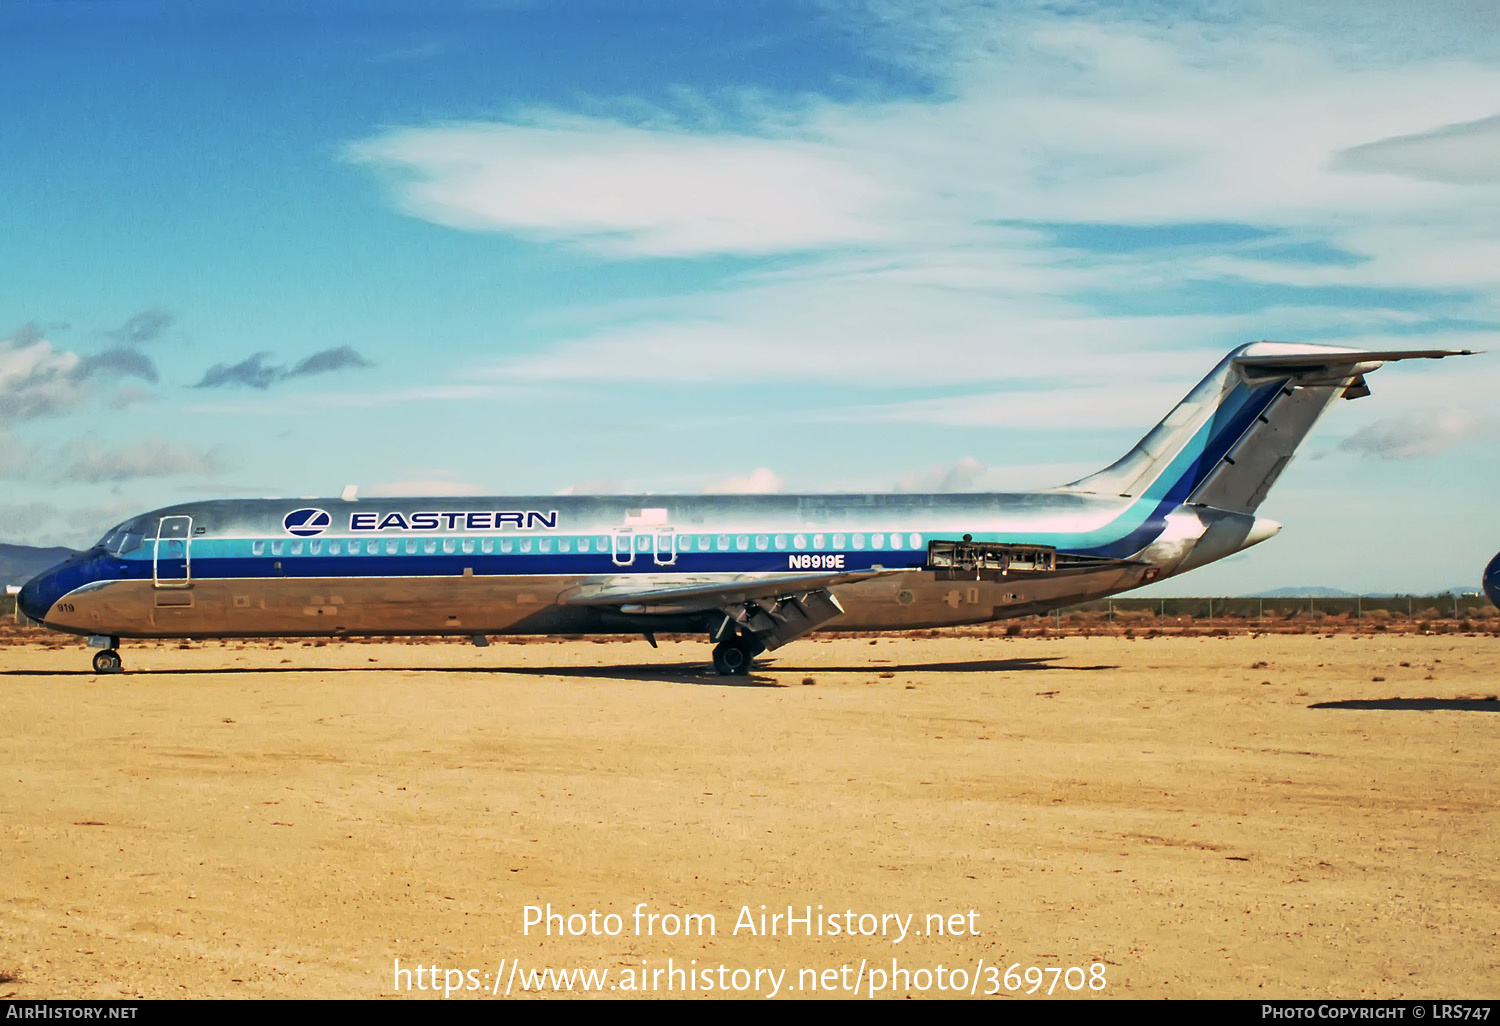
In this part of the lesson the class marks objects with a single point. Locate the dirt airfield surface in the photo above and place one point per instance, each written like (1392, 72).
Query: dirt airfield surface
(1238, 817)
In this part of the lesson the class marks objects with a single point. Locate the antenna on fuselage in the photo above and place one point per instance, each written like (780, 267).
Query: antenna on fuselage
(350, 493)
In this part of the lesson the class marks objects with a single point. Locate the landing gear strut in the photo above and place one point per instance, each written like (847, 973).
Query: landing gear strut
(107, 661)
(732, 656)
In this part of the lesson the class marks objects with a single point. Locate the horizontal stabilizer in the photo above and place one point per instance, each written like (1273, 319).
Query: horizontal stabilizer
(1344, 357)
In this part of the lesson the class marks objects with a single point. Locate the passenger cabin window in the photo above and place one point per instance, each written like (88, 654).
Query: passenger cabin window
(722, 543)
(781, 541)
(411, 546)
(525, 544)
(564, 544)
(278, 547)
(817, 541)
(257, 548)
(390, 547)
(859, 541)
(916, 541)
(762, 542)
(838, 541)
(877, 541)
(315, 546)
(544, 544)
(703, 545)
(468, 545)
(487, 545)
(333, 548)
(799, 541)
(450, 545)
(507, 544)
(742, 542)
(353, 546)
(429, 546)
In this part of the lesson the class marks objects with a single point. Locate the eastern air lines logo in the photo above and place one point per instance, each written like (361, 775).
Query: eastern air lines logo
(306, 523)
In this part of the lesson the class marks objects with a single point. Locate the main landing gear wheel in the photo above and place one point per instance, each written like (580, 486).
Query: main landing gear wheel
(107, 661)
(732, 658)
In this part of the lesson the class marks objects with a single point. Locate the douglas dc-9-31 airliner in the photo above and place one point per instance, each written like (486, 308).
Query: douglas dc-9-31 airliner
(753, 572)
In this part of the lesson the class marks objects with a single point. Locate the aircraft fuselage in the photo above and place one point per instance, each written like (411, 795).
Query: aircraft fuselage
(507, 565)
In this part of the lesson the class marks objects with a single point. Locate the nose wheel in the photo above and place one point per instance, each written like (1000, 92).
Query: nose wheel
(107, 661)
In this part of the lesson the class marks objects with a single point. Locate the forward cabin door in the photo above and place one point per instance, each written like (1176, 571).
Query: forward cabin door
(171, 565)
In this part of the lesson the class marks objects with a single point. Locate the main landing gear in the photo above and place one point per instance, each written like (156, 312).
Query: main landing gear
(732, 656)
(107, 661)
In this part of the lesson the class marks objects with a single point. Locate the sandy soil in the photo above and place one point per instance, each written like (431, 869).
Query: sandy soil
(1220, 817)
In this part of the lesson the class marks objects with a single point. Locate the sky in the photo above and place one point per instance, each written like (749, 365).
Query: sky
(274, 248)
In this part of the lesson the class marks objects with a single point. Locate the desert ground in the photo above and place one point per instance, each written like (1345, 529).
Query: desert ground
(1243, 815)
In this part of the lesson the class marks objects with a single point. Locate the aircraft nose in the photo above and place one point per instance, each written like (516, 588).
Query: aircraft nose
(1491, 582)
(36, 597)
(38, 594)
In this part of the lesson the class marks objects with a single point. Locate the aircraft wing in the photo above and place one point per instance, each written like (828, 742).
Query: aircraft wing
(682, 593)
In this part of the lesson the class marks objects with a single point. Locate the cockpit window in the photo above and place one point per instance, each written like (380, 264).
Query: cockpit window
(122, 539)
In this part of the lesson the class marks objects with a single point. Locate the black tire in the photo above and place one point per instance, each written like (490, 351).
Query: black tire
(107, 661)
(732, 659)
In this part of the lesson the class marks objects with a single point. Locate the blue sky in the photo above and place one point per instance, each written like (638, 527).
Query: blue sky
(275, 248)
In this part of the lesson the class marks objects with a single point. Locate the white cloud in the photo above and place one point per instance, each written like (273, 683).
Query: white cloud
(1400, 438)
(150, 457)
(1466, 154)
(761, 480)
(76, 525)
(913, 270)
(962, 476)
(36, 379)
(623, 189)
(435, 485)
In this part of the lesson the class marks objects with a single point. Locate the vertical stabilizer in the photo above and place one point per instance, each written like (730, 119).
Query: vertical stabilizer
(1228, 441)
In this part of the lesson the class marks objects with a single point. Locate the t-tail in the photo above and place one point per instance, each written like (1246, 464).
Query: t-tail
(1205, 469)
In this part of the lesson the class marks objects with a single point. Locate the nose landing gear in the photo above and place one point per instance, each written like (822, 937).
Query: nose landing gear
(107, 661)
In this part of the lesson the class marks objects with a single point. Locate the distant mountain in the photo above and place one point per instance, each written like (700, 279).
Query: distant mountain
(1307, 592)
(20, 563)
